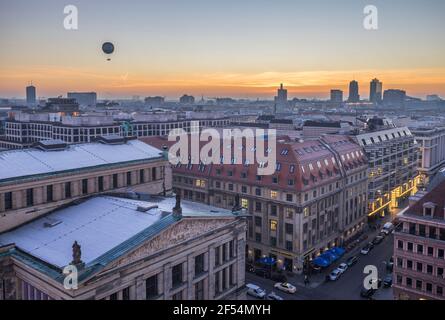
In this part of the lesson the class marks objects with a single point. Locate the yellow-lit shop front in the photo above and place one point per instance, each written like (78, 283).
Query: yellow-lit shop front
(387, 203)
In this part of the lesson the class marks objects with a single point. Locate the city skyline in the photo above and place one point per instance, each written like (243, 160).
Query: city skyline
(214, 49)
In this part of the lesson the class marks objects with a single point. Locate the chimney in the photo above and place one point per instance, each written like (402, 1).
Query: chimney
(177, 210)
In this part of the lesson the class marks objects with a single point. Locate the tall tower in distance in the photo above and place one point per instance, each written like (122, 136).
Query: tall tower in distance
(281, 103)
(354, 96)
(31, 95)
(375, 91)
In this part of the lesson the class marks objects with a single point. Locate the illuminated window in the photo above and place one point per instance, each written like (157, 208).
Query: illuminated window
(273, 225)
(245, 203)
(200, 183)
(273, 194)
(306, 212)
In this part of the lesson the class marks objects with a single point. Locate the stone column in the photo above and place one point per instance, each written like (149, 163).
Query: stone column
(190, 275)
(167, 281)
(211, 264)
(140, 288)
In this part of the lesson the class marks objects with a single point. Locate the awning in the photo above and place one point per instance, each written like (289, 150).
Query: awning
(267, 261)
(319, 261)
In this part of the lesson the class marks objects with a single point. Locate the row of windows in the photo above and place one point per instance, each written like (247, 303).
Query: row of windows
(420, 285)
(421, 249)
(85, 188)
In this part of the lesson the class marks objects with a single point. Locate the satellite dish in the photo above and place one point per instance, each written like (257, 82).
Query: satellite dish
(108, 48)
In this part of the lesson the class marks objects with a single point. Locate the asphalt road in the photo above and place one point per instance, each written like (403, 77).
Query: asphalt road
(347, 287)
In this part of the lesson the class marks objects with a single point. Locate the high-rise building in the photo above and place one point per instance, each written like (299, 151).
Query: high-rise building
(375, 91)
(354, 96)
(85, 99)
(31, 94)
(394, 98)
(281, 100)
(336, 96)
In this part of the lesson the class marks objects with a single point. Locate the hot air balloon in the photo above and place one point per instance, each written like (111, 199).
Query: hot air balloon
(108, 49)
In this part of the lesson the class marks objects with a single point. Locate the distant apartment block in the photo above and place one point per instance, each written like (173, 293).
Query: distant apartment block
(394, 98)
(354, 96)
(316, 199)
(36, 181)
(336, 96)
(419, 249)
(84, 99)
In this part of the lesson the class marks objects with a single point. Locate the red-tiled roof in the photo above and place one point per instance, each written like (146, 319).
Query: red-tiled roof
(309, 163)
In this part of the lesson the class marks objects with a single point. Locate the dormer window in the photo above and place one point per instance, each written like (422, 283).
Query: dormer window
(428, 209)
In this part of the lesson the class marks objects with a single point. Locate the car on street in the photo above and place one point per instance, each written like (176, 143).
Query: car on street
(351, 261)
(342, 267)
(365, 250)
(367, 293)
(285, 287)
(255, 291)
(377, 240)
(388, 228)
(387, 281)
(274, 296)
(335, 274)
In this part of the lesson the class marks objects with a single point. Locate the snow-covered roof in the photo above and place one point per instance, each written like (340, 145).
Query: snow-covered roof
(30, 162)
(99, 225)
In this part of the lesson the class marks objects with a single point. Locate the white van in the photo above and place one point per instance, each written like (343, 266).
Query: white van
(387, 228)
(255, 291)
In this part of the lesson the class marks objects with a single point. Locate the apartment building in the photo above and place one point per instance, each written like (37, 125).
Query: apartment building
(419, 249)
(126, 249)
(431, 143)
(392, 173)
(36, 181)
(316, 198)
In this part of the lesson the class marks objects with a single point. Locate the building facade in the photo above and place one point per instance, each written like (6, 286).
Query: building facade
(316, 199)
(419, 249)
(24, 129)
(126, 249)
(431, 142)
(392, 173)
(34, 182)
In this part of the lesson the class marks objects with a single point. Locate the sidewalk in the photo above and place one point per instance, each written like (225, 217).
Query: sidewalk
(316, 279)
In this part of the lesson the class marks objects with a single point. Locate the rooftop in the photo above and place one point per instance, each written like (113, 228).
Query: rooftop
(15, 164)
(100, 225)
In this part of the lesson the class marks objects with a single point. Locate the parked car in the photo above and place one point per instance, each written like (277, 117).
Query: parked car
(377, 240)
(262, 273)
(342, 267)
(335, 274)
(274, 296)
(286, 287)
(387, 282)
(367, 293)
(255, 291)
(365, 250)
(388, 228)
(351, 261)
